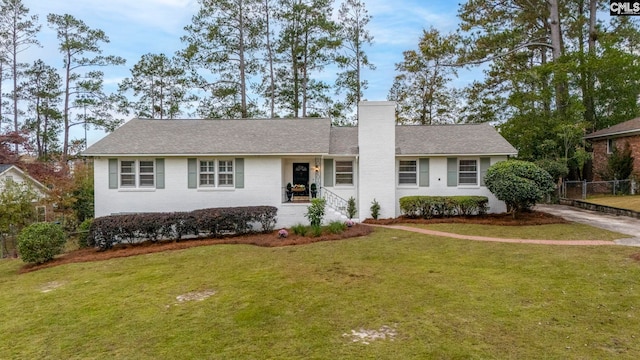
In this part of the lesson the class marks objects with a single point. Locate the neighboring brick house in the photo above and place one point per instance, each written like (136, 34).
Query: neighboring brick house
(605, 140)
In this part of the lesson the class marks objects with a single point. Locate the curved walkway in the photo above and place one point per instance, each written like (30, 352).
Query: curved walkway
(504, 240)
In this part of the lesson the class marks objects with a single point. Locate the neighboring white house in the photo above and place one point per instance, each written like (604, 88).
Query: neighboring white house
(181, 165)
(14, 173)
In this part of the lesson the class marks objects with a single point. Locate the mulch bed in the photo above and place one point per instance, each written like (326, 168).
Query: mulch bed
(525, 218)
(272, 240)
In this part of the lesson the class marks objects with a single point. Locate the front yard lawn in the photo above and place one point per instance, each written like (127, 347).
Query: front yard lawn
(331, 300)
(629, 202)
(568, 231)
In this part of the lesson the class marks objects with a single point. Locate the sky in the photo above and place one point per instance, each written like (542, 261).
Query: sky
(138, 27)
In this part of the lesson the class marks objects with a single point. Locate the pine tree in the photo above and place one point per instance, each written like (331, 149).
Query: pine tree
(77, 42)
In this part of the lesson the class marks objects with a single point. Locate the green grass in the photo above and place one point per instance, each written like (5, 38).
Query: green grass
(629, 202)
(572, 231)
(445, 298)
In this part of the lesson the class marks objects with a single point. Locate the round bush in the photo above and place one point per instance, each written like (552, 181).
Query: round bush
(40, 242)
(520, 184)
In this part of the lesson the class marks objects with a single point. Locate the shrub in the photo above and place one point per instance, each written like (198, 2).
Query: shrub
(40, 242)
(619, 164)
(315, 212)
(214, 222)
(336, 227)
(375, 209)
(299, 229)
(316, 231)
(520, 184)
(351, 207)
(429, 206)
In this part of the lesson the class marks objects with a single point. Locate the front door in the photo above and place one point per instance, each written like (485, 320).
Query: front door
(301, 175)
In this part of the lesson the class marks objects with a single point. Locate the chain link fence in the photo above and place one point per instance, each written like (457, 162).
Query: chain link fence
(585, 189)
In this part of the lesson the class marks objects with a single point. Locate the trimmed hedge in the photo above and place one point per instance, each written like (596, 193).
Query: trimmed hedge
(204, 223)
(427, 207)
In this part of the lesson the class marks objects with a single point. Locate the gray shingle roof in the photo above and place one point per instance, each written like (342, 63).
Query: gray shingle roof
(627, 127)
(344, 140)
(4, 167)
(160, 137)
(288, 136)
(466, 139)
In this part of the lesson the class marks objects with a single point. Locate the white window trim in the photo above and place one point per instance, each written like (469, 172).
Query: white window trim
(200, 173)
(136, 175)
(417, 172)
(477, 183)
(216, 175)
(335, 173)
(611, 143)
(232, 173)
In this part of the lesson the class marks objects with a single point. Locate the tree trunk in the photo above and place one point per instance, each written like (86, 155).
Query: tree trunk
(65, 114)
(14, 69)
(556, 51)
(243, 80)
(270, 59)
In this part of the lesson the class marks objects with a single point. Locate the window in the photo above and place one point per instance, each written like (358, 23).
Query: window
(468, 172)
(135, 173)
(147, 173)
(210, 170)
(128, 173)
(207, 173)
(610, 146)
(407, 172)
(41, 213)
(344, 172)
(225, 173)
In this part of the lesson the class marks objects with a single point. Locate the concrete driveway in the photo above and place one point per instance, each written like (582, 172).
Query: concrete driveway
(621, 224)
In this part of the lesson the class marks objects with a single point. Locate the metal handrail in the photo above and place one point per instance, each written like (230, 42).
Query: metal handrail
(334, 201)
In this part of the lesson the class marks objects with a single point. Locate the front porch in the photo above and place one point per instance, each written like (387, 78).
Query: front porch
(300, 179)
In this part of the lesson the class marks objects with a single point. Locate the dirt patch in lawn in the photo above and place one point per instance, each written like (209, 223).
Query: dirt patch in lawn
(272, 239)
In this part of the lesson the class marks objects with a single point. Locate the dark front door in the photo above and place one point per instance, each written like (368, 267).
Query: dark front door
(301, 175)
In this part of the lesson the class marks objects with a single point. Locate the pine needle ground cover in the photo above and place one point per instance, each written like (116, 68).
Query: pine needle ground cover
(390, 295)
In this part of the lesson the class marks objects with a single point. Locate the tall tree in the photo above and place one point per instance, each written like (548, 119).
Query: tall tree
(353, 19)
(421, 88)
(224, 39)
(43, 89)
(19, 30)
(77, 42)
(159, 85)
(269, 81)
(307, 41)
(554, 71)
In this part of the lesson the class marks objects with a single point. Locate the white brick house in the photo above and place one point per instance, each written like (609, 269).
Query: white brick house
(181, 165)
